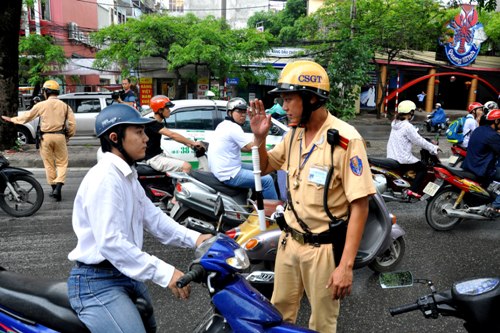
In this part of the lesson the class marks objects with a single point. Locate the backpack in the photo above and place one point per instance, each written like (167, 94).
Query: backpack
(454, 133)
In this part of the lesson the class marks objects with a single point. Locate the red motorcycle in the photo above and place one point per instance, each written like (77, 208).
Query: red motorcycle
(458, 154)
(391, 181)
(455, 195)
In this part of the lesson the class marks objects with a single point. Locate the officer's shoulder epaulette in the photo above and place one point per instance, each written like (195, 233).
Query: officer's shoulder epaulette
(343, 142)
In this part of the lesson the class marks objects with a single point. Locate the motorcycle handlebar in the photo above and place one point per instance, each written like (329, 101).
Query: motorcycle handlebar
(194, 274)
(403, 309)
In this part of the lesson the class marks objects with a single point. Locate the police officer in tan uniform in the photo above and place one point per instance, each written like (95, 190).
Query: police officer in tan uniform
(305, 259)
(57, 125)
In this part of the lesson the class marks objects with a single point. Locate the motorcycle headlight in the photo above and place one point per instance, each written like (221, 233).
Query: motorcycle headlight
(240, 260)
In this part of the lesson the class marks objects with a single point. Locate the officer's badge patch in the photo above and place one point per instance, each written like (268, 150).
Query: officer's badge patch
(356, 165)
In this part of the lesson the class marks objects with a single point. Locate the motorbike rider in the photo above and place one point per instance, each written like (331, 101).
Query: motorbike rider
(483, 152)
(401, 140)
(437, 118)
(304, 260)
(488, 106)
(57, 125)
(155, 156)
(110, 213)
(224, 157)
(475, 112)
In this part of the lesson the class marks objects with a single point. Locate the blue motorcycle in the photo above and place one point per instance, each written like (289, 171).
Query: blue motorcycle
(236, 305)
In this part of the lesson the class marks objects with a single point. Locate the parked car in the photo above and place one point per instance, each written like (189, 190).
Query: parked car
(197, 119)
(85, 105)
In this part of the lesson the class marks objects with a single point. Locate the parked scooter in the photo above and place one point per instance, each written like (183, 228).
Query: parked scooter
(236, 306)
(20, 193)
(381, 249)
(476, 301)
(456, 195)
(391, 182)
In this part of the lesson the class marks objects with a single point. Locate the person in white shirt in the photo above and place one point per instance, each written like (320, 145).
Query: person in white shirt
(110, 214)
(401, 140)
(471, 121)
(224, 153)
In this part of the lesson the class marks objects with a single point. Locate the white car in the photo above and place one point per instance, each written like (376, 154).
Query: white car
(197, 119)
(85, 105)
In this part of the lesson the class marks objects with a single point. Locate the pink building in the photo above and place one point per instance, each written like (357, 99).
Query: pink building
(69, 22)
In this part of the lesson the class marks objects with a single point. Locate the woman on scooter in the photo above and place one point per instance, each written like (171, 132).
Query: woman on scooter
(399, 147)
(110, 213)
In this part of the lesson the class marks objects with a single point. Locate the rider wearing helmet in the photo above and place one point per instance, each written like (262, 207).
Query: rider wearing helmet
(437, 118)
(224, 156)
(400, 145)
(155, 157)
(317, 142)
(57, 125)
(110, 213)
(490, 105)
(475, 112)
(484, 151)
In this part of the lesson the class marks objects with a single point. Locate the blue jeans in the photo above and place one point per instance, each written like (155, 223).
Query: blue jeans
(103, 299)
(245, 178)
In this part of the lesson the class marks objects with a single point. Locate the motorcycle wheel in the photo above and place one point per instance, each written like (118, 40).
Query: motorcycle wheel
(390, 258)
(31, 193)
(434, 211)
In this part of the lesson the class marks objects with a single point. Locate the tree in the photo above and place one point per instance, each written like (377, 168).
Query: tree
(38, 54)
(182, 41)
(10, 16)
(384, 27)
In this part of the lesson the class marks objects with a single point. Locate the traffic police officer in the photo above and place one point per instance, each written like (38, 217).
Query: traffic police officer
(57, 125)
(305, 260)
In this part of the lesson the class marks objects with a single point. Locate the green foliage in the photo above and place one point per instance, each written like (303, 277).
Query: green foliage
(38, 54)
(285, 25)
(182, 41)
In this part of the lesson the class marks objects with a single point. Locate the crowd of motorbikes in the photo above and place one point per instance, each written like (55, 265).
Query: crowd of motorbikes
(240, 287)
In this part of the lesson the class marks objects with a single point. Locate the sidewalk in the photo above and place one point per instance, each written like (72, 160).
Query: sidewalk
(80, 156)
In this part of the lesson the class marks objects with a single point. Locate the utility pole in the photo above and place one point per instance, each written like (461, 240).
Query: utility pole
(223, 10)
(353, 17)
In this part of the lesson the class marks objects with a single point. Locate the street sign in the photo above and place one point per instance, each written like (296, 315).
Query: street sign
(232, 81)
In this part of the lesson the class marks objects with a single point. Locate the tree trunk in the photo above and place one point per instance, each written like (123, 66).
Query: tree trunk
(10, 16)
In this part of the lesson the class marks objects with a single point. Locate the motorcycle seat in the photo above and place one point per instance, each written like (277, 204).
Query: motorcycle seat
(146, 170)
(40, 300)
(209, 179)
(388, 163)
(461, 173)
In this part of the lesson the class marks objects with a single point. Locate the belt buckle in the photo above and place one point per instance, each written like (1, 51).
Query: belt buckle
(298, 237)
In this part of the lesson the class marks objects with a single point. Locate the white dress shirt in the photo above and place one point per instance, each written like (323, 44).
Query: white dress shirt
(111, 212)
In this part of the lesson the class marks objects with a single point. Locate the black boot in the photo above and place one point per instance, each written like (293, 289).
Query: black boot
(53, 189)
(57, 191)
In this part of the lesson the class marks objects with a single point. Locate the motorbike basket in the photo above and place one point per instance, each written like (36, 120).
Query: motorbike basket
(3, 161)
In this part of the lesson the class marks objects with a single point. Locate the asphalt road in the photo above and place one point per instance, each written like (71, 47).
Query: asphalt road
(38, 245)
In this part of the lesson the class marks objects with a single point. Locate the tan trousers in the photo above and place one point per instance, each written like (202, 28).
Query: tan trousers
(306, 268)
(54, 153)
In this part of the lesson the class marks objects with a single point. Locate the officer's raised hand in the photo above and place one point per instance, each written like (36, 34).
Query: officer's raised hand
(259, 121)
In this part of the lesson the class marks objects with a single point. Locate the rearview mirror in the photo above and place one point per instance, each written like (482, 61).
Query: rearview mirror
(396, 279)
(218, 207)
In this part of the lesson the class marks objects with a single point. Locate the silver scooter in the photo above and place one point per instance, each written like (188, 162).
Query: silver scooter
(381, 249)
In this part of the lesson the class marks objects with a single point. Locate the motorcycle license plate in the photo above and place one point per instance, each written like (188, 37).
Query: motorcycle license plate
(453, 159)
(175, 209)
(431, 188)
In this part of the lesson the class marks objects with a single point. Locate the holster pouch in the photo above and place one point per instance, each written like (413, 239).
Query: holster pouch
(280, 220)
(338, 232)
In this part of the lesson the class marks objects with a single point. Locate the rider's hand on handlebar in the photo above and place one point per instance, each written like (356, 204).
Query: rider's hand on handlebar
(182, 293)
